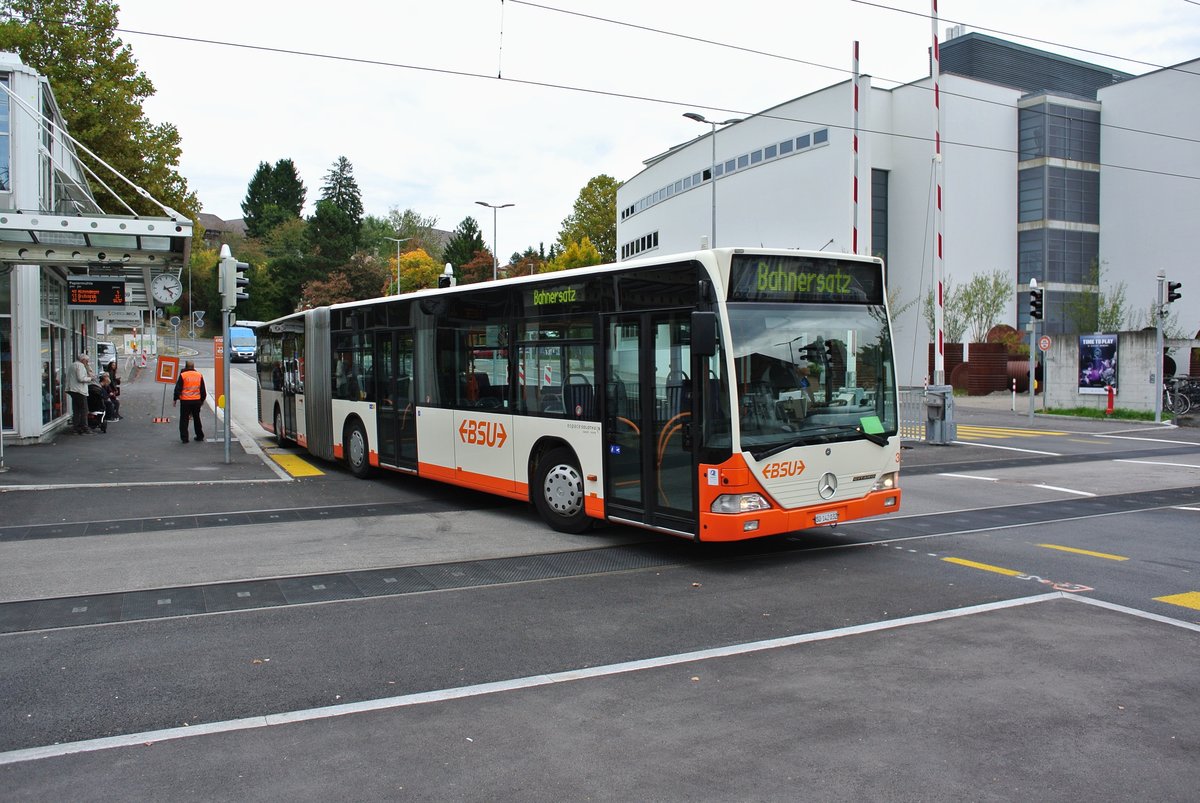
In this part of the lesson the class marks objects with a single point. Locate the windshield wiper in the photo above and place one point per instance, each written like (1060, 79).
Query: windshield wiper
(813, 434)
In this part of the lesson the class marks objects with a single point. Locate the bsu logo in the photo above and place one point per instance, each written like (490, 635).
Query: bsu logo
(482, 433)
(784, 468)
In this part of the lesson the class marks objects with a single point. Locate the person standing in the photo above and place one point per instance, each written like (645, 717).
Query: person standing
(190, 394)
(78, 379)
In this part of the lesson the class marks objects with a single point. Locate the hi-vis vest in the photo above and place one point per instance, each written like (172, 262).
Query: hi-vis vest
(191, 385)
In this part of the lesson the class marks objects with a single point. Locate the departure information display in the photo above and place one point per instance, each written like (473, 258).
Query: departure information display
(93, 292)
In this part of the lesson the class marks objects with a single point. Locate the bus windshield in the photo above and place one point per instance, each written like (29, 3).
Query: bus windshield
(812, 373)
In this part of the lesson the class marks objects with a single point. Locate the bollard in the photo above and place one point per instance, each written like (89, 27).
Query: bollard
(1111, 393)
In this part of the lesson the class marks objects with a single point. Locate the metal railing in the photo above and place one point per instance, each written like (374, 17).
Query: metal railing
(912, 413)
(927, 414)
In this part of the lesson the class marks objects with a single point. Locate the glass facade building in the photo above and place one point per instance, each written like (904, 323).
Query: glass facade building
(1058, 209)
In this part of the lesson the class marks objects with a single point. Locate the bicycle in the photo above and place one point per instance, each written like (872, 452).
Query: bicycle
(1176, 398)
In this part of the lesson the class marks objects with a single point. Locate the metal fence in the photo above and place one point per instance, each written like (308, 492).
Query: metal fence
(912, 414)
(927, 414)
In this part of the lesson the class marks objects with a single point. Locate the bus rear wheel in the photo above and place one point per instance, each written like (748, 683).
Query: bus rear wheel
(280, 438)
(558, 492)
(358, 453)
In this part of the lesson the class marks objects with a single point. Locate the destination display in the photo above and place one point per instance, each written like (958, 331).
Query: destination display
(804, 279)
(93, 292)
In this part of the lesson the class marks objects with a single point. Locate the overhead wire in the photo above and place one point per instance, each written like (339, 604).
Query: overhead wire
(753, 51)
(609, 94)
(597, 92)
(1022, 36)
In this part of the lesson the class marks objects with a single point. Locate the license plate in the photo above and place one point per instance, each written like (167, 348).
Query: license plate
(826, 518)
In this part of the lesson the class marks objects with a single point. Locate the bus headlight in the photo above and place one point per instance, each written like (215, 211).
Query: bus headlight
(739, 503)
(886, 482)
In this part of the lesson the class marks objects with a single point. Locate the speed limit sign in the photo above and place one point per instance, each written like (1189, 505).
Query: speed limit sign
(1044, 342)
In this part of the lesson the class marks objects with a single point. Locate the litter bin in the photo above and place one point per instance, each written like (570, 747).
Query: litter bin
(939, 415)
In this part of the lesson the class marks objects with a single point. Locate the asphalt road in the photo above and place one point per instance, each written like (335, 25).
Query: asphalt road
(1028, 625)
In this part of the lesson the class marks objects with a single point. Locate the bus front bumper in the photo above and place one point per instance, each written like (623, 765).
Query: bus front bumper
(775, 521)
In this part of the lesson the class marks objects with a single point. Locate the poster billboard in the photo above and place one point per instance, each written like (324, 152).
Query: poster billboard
(1097, 363)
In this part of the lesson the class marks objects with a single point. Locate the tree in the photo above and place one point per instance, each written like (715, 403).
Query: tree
(342, 191)
(288, 190)
(275, 194)
(954, 320)
(254, 205)
(289, 264)
(594, 216)
(1098, 311)
(984, 300)
(332, 234)
(464, 243)
(575, 255)
(421, 232)
(477, 269)
(100, 90)
(418, 270)
(332, 290)
(525, 264)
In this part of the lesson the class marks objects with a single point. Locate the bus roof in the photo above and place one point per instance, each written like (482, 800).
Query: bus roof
(708, 256)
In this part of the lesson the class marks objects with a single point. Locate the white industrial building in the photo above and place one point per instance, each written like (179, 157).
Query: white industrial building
(1051, 167)
(55, 237)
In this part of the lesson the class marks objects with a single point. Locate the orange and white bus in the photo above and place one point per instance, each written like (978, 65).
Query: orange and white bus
(716, 395)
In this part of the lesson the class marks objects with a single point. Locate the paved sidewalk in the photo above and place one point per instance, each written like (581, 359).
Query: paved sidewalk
(136, 449)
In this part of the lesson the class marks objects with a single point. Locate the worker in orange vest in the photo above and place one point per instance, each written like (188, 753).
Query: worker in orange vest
(189, 389)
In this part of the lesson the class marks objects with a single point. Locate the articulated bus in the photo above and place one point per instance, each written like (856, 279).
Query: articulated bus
(719, 395)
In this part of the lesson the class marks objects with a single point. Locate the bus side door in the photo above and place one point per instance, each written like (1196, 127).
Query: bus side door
(650, 465)
(396, 422)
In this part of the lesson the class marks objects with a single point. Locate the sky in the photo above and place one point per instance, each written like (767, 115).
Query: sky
(442, 103)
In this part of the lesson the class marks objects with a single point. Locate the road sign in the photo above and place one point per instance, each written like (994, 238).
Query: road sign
(174, 321)
(1044, 342)
(168, 370)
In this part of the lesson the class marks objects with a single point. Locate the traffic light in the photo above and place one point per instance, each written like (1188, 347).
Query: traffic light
(811, 353)
(232, 280)
(830, 351)
(1035, 303)
(1173, 291)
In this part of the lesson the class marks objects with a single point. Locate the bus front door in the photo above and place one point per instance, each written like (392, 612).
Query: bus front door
(293, 384)
(650, 465)
(395, 419)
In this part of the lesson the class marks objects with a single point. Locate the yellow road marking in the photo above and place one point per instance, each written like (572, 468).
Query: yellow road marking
(1189, 600)
(968, 432)
(985, 566)
(295, 465)
(1104, 555)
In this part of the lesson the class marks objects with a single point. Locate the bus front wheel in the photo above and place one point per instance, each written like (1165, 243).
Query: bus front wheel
(558, 492)
(358, 453)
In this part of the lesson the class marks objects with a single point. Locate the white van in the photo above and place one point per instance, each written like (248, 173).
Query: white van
(243, 345)
(106, 352)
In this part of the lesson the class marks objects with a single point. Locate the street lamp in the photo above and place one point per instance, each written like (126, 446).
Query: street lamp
(712, 173)
(397, 242)
(495, 258)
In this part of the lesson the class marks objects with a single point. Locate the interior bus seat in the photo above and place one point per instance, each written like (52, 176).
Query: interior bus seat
(582, 397)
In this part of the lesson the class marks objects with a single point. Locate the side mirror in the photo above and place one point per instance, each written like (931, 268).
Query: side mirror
(704, 334)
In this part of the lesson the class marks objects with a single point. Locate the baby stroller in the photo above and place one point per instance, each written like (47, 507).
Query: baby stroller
(96, 408)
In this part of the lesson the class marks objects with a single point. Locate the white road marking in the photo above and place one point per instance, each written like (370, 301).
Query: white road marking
(528, 682)
(1009, 448)
(1158, 463)
(971, 477)
(1065, 490)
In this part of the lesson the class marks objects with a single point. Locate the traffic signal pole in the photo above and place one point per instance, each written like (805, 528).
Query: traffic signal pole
(231, 280)
(1035, 314)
